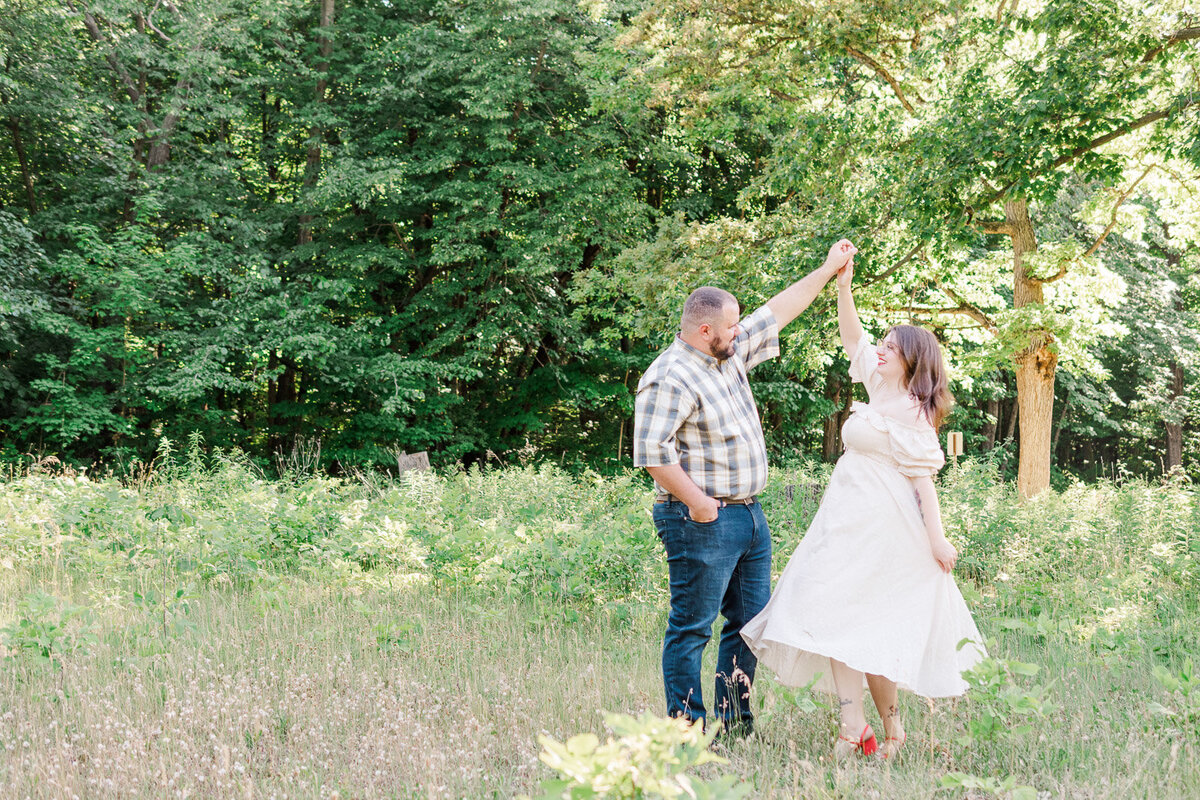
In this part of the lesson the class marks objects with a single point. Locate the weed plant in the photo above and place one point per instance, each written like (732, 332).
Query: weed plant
(207, 632)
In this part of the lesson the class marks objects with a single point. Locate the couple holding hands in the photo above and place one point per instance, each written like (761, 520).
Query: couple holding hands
(867, 598)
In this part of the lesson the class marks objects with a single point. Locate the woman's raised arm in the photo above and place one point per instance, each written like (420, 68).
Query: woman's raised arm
(849, 326)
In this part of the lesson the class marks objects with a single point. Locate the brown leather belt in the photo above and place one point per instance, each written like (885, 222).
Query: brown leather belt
(729, 501)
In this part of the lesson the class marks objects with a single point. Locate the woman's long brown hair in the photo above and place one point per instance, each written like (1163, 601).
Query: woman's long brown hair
(924, 370)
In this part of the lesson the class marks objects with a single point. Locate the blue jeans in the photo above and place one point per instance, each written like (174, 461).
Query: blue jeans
(725, 566)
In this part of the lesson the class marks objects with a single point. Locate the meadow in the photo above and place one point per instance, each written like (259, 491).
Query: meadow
(206, 631)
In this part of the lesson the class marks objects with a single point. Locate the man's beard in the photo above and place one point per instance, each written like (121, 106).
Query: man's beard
(721, 355)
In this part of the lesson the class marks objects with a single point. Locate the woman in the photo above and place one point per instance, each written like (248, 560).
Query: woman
(868, 592)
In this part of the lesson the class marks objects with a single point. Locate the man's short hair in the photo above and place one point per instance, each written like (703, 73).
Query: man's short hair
(705, 306)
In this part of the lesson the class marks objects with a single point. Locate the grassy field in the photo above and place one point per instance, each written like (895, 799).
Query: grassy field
(206, 632)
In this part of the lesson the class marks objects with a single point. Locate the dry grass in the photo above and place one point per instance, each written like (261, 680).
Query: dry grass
(326, 675)
(303, 701)
(289, 693)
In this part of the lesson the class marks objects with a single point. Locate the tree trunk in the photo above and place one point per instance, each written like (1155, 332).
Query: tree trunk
(1036, 364)
(312, 165)
(1010, 429)
(1175, 429)
(991, 411)
(1062, 420)
(831, 440)
(23, 160)
(160, 148)
(272, 383)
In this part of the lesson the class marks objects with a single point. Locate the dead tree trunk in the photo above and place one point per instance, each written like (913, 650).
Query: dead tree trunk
(1010, 428)
(831, 439)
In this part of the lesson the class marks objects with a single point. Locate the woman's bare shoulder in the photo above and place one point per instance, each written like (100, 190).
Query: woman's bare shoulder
(902, 408)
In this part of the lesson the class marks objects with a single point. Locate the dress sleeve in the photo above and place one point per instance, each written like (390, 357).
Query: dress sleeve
(916, 449)
(759, 339)
(864, 365)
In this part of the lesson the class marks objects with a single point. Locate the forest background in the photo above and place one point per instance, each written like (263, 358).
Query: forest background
(251, 250)
(466, 226)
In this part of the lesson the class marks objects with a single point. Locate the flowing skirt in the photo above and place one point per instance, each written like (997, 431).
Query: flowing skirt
(862, 587)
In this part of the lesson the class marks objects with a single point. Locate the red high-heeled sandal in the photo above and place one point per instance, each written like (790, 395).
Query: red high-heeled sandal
(866, 744)
(891, 746)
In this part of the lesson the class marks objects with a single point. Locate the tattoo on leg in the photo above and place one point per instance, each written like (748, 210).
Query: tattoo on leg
(894, 711)
(845, 701)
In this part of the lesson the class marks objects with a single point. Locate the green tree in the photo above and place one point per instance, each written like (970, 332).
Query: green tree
(357, 222)
(926, 126)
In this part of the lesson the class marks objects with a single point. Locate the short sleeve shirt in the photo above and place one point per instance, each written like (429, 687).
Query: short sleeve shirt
(697, 411)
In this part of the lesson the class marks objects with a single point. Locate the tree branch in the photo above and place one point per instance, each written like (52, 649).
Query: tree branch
(1182, 35)
(1117, 133)
(997, 227)
(1112, 223)
(1185, 181)
(969, 309)
(883, 73)
(150, 21)
(955, 310)
(911, 255)
(93, 28)
(1122, 131)
(1062, 271)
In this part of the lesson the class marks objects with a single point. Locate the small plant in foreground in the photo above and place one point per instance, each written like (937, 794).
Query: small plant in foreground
(996, 787)
(47, 629)
(993, 689)
(168, 609)
(648, 759)
(397, 636)
(802, 698)
(1184, 690)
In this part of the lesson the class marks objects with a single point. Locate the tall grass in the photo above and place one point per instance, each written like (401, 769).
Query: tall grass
(210, 633)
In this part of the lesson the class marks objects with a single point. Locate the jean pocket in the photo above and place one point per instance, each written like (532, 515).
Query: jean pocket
(688, 516)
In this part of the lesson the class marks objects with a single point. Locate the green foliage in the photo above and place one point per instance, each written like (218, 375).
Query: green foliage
(466, 227)
(583, 542)
(994, 690)
(397, 636)
(1183, 690)
(648, 758)
(261, 232)
(49, 629)
(167, 611)
(802, 698)
(910, 127)
(996, 787)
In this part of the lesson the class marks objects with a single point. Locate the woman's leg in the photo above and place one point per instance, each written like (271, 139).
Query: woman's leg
(849, 684)
(887, 702)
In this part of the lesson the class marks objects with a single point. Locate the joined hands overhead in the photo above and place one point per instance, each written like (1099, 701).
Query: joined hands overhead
(840, 254)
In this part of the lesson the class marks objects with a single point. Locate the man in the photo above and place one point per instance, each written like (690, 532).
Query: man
(697, 432)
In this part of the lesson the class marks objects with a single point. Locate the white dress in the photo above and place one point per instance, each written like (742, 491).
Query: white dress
(863, 586)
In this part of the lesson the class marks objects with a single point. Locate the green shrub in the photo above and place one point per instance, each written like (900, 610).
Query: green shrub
(649, 758)
(49, 629)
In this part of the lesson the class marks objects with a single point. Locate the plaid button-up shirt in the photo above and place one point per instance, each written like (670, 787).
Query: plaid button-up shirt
(696, 411)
